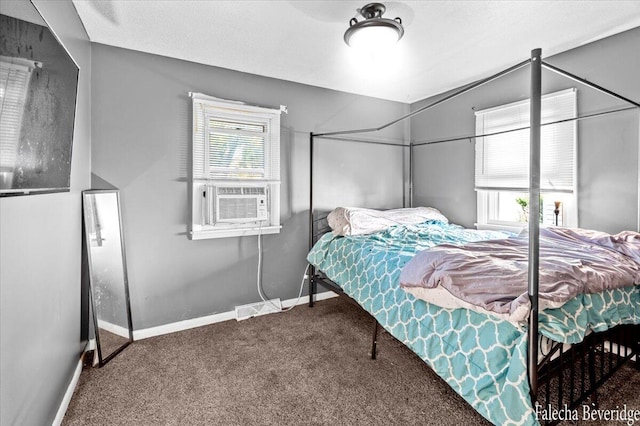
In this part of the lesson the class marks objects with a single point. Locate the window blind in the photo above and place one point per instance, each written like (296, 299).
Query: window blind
(236, 149)
(14, 81)
(502, 161)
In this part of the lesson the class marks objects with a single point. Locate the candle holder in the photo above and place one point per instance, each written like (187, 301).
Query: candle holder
(556, 210)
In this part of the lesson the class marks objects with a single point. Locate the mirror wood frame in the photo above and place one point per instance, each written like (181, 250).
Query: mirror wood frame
(87, 211)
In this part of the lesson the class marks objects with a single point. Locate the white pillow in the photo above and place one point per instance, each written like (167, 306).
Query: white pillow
(360, 221)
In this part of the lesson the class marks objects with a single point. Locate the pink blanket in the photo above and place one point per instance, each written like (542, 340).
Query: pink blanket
(492, 275)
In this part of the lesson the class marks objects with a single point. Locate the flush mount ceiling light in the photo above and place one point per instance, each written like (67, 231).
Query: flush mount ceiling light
(374, 31)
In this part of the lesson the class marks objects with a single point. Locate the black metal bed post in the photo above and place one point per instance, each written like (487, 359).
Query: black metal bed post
(312, 269)
(534, 216)
(374, 340)
(411, 174)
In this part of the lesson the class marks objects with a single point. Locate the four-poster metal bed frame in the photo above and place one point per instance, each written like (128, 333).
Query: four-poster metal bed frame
(624, 341)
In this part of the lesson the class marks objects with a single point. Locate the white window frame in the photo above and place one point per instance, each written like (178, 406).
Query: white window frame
(487, 197)
(203, 178)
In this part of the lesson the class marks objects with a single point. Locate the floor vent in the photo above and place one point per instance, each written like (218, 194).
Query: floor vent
(256, 309)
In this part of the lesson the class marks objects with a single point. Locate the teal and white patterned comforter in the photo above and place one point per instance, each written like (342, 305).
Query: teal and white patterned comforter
(482, 357)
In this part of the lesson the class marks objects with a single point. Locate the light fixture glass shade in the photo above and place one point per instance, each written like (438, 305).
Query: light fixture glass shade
(373, 37)
(374, 32)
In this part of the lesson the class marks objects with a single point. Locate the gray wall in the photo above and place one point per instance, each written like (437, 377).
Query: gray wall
(607, 147)
(141, 140)
(40, 265)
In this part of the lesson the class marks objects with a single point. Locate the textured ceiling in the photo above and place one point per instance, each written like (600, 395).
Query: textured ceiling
(446, 43)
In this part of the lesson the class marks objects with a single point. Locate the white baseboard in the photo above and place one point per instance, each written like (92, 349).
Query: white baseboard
(57, 421)
(305, 299)
(321, 296)
(113, 328)
(212, 319)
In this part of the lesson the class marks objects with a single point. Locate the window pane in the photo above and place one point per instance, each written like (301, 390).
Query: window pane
(506, 206)
(236, 156)
(510, 207)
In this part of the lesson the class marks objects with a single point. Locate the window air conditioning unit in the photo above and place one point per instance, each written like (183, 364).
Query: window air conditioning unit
(237, 203)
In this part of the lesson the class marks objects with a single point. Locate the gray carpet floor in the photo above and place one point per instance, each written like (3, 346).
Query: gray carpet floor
(303, 367)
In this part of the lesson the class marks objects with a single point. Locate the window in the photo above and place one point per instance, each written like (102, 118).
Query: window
(236, 169)
(502, 163)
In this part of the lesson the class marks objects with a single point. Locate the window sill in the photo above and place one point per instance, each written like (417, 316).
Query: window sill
(516, 229)
(204, 234)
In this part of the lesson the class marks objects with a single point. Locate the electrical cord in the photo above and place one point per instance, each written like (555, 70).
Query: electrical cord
(259, 279)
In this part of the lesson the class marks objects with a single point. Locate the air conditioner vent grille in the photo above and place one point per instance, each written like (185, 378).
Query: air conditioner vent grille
(237, 208)
(241, 190)
(255, 190)
(230, 190)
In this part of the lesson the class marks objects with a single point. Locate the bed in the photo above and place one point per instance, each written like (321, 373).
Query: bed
(481, 356)
(510, 372)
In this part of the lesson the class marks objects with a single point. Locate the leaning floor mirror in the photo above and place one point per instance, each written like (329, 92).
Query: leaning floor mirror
(109, 289)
